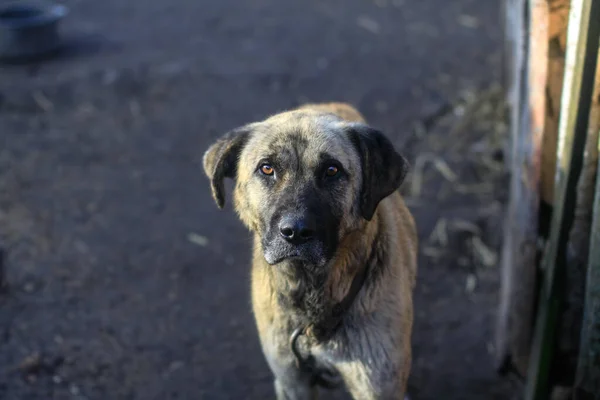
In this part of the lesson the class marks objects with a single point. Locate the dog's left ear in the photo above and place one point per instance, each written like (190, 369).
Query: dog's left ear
(383, 169)
(221, 160)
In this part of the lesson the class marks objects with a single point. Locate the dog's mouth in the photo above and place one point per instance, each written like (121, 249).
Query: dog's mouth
(274, 258)
(277, 253)
(291, 257)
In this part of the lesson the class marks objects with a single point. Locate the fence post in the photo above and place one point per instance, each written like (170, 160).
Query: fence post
(581, 57)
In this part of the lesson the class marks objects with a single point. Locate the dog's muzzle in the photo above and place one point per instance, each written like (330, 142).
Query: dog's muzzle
(295, 236)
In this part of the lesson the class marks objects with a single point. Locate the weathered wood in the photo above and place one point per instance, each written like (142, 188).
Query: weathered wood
(581, 56)
(527, 108)
(538, 70)
(513, 14)
(515, 26)
(557, 38)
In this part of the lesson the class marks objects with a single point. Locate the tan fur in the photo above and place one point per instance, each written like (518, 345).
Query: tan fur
(342, 110)
(374, 355)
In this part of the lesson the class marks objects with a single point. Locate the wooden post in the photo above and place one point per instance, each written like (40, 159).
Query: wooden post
(516, 25)
(581, 56)
(527, 102)
(557, 42)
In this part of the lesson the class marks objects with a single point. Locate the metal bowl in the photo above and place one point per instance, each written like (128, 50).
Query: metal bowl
(29, 30)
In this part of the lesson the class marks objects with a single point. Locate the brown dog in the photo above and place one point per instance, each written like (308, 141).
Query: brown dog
(334, 248)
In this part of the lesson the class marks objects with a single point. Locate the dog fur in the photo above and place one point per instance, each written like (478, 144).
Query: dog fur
(360, 218)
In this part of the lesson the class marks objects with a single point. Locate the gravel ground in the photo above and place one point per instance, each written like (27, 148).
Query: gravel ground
(124, 281)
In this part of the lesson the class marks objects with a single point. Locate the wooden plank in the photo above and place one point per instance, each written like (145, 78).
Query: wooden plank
(581, 56)
(538, 70)
(513, 15)
(557, 38)
(512, 337)
(517, 299)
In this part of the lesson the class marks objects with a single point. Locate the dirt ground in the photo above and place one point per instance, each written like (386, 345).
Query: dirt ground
(124, 281)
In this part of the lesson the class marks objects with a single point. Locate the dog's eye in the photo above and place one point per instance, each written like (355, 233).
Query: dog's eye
(266, 169)
(331, 171)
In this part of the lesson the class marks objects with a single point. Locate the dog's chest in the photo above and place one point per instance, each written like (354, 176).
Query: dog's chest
(277, 346)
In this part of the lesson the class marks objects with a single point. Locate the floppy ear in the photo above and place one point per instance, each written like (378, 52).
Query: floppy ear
(383, 169)
(221, 159)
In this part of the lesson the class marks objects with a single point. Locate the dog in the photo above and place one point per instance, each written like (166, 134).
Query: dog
(334, 250)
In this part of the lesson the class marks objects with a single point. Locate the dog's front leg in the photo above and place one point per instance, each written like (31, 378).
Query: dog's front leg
(378, 369)
(290, 382)
(293, 389)
(365, 384)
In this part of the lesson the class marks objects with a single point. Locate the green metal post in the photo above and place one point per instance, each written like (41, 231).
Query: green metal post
(587, 380)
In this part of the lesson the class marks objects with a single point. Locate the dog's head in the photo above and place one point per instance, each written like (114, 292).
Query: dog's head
(304, 180)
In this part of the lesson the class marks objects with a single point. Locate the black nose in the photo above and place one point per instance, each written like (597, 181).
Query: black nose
(297, 230)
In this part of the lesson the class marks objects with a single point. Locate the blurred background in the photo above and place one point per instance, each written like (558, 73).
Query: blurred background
(122, 279)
